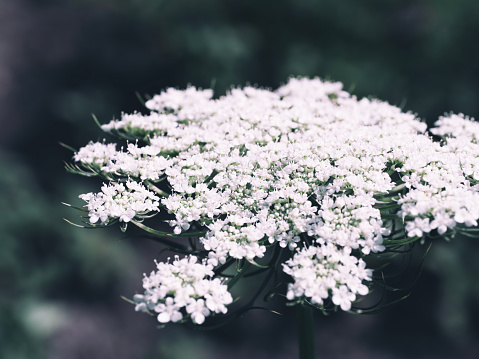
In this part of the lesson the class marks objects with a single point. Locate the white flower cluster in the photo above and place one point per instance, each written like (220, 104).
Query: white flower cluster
(120, 201)
(143, 163)
(95, 153)
(183, 287)
(323, 271)
(157, 123)
(172, 99)
(442, 179)
(307, 163)
(461, 135)
(457, 126)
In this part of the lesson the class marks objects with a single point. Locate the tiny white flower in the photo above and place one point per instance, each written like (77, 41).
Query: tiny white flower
(343, 297)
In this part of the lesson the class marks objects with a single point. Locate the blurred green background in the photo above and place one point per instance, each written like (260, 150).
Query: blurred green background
(61, 60)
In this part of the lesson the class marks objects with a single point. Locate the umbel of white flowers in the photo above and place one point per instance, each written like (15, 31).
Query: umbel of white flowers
(307, 169)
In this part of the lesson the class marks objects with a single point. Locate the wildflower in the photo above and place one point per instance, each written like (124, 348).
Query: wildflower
(308, 169)
(183, 287)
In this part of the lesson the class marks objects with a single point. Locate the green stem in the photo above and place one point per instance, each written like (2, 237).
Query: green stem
(157, 190)
(240, 273)
(305, 332)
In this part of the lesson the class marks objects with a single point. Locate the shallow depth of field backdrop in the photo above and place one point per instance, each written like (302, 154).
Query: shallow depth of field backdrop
(61, 60)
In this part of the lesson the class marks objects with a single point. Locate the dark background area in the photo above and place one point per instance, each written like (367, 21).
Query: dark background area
(62, 60)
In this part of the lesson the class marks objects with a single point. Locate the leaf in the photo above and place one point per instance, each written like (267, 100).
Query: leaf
(271, 293)
(79, 208)
(167, 234)
(211, 176)
(223, 267)
(421, 265)
(256, 264)
(88, 225)
(128, 300)
(415, 280)
(275, 312)
(402, 242)
(78, 225)
(380, 309)
(77, 170)
(389, 216)
(382, 207)
(156, 189)
(73, 224)
(231, 282)
(140, 98)
(97, 122)
(468, 233)
(67, 147)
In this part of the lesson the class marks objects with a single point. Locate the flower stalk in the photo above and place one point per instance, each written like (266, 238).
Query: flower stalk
(305, 325)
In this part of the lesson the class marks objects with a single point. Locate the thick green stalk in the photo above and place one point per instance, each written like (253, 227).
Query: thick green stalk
(305, 332)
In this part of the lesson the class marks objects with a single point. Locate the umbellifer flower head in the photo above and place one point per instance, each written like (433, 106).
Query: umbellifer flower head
(308, 170)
